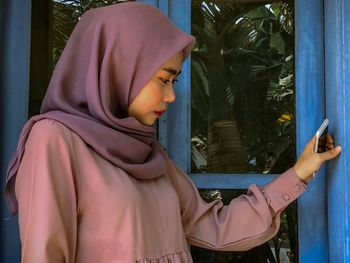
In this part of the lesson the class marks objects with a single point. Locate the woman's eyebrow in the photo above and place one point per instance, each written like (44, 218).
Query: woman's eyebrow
(172, 71)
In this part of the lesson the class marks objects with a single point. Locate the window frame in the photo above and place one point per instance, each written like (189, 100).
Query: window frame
(175, 127)
(319, 38)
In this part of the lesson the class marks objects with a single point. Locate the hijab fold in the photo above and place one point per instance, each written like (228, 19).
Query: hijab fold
(111, 54)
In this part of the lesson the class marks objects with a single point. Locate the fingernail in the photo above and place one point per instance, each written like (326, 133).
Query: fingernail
(338, 148)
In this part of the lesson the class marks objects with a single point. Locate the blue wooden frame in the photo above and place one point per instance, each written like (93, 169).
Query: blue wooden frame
(337, 72)
(174, 139)
(310, 111)
(318, 31)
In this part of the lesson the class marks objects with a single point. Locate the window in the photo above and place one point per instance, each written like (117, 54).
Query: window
(309, 112)
(242, 87)
(243, 105)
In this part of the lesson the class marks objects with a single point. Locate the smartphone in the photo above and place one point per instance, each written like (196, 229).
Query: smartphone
(321, 137)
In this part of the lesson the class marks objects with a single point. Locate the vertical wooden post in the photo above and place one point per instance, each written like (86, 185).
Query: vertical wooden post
(310, 111)
(337, 72)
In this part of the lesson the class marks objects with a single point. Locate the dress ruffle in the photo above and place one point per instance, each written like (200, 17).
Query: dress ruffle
(180, 257)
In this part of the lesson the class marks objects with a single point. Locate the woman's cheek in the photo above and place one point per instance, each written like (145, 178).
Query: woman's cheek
(159, 93)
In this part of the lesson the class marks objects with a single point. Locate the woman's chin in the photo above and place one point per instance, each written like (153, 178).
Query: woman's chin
(148, 122)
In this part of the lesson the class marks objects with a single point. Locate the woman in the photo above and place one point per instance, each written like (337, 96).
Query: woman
(89, 180)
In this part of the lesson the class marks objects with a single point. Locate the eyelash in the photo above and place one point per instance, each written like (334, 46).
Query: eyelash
(165, 81)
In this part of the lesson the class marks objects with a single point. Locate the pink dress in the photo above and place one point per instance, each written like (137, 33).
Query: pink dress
(74, 206)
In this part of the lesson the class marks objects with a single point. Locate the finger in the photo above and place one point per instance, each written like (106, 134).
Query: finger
(328, 155)
(323, 148)
(321, 143)
(330, 146)
(329, 138)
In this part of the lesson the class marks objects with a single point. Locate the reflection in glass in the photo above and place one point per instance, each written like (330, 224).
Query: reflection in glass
(52, 23)
(282, 248)
(242, 86)
(66, 13)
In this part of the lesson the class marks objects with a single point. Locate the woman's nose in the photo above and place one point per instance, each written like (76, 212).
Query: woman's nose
(169, 95)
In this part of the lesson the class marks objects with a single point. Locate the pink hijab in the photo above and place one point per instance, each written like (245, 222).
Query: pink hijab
(111, 54)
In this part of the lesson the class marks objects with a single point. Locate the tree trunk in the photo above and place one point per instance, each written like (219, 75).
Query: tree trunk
(225, 151)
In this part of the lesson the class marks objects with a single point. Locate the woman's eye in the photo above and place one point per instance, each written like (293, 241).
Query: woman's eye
(165, 81)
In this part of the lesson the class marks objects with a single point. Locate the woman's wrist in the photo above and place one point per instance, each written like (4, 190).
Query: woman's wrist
(301, 173)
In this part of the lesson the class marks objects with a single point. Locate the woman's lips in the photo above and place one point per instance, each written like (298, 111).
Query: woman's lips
(159, 113)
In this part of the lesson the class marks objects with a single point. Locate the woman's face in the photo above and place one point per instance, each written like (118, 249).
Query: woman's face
(153, 99)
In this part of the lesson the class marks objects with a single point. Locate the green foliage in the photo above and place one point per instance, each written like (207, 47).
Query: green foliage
(243, 70)
(66, 13)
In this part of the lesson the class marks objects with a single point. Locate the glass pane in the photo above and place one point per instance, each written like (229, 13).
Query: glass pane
(243, 92)
(52, 23)
(282, 248)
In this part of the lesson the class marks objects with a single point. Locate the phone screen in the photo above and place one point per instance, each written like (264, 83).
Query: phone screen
(321, 137)
(322, 142)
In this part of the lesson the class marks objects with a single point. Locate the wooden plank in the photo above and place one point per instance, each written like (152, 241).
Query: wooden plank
(310, 111)
(178, 125)
(230, 181)
(337, 70)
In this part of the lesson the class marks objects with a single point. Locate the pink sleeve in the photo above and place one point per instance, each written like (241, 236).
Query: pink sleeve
(45, 189)
(246, 222)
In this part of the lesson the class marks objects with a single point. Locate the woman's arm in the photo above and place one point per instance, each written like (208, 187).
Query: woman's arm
(46, 191)
(246, 222)
(250, 219)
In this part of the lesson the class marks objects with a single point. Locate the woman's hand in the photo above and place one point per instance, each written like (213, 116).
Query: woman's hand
(309, 162)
